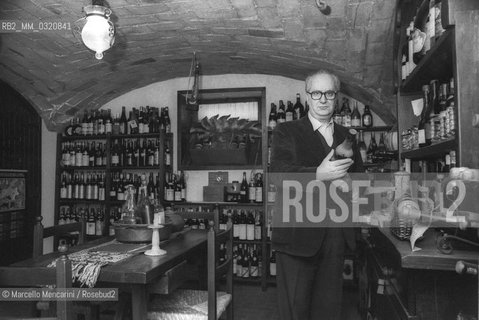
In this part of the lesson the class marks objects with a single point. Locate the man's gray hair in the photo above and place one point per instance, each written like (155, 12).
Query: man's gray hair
(337, 83)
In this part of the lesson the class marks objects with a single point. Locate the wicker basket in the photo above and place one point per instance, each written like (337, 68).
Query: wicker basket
(401, 226)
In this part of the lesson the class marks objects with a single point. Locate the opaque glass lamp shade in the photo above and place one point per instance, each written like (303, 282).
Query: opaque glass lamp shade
(98, 33)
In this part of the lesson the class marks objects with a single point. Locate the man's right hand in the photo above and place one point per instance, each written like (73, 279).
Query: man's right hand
(332, 170)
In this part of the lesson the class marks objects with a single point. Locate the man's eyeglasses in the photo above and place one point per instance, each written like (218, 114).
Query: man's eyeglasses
(317, 95)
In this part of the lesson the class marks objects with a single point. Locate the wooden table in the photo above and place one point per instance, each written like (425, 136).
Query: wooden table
(421, 284)
(139, 270)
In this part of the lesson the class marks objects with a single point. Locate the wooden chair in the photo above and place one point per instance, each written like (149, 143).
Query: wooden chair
(197, 304)
(40, 233)
(29, 277)
(88, 310)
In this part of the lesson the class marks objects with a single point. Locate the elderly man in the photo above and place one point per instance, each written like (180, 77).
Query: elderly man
(310, 259)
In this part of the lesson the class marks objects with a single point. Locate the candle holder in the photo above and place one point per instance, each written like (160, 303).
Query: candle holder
(155, 241)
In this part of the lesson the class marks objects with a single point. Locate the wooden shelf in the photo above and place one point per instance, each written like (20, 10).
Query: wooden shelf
(247, 280)
(370, 129)
(259, 242)
(220, 203)
(75, 201)
(119, 168)
(139, 135)
(99, 168)
(436, 64)
(431, 151)
(378, 128)
(89, 137)
(223, 167)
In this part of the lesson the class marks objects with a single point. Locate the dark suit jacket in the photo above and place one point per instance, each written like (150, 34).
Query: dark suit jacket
(297, 148)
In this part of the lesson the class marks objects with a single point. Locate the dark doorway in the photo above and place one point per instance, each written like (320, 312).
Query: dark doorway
(20, 149)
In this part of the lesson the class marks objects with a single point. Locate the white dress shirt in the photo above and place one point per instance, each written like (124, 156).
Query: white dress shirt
(325, 128)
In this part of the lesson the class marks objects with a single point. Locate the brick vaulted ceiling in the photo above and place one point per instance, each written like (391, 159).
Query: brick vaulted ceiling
(156, 39)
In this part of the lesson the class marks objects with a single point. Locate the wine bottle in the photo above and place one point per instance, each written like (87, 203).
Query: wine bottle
(424, 117)
(362, 147)
(272, 117)
(345, 149)
(367, 119)
(371, 149)
(250, 225)
(251, 189)
(298, 107)
(100, 222)
(281, 112)
(177, 194)
(90, 223)
(381, 146)
(443, 114)
(289, 113)
(167, 121)
(337, 118)
(123, 121)
(242, 225)
(451, 113)
(272, 264)
(346, 113)
(258, 197)
(244, 189)
(355, 116)
(258, 226)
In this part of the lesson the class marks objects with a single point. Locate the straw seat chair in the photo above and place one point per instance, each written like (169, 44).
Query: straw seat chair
(29, 277)
(197, 304)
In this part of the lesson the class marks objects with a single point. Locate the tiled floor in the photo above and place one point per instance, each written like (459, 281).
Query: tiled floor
(250, 303)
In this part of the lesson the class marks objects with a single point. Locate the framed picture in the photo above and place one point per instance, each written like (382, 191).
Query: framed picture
(12, 190)
(222, 131)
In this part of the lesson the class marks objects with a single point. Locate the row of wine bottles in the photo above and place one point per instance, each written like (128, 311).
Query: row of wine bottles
(91, 186)
(99, 122)
(84, 185)
(348, 118)
(94, 217)
(374, 152)
(252, 191)
(422, 33)
(247, 224)
(128, 152)
(247, 261)
(142, 153)
(282, 113)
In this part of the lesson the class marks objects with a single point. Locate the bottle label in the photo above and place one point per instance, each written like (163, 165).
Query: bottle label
(90, 228)
(356, 122)
(259, 194)
(250, 232)
(252, 193)
(63, 193)
(99, 228)
(242, 231)
(170, 196)
(177, 195)
(272, 268)
(289, 116)
(367, 120)
(254, 271)
(257, 232)
(115, 160)
(132, 124)
(271, 196)
(235, 231)
(272, 124)
(101, 193)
